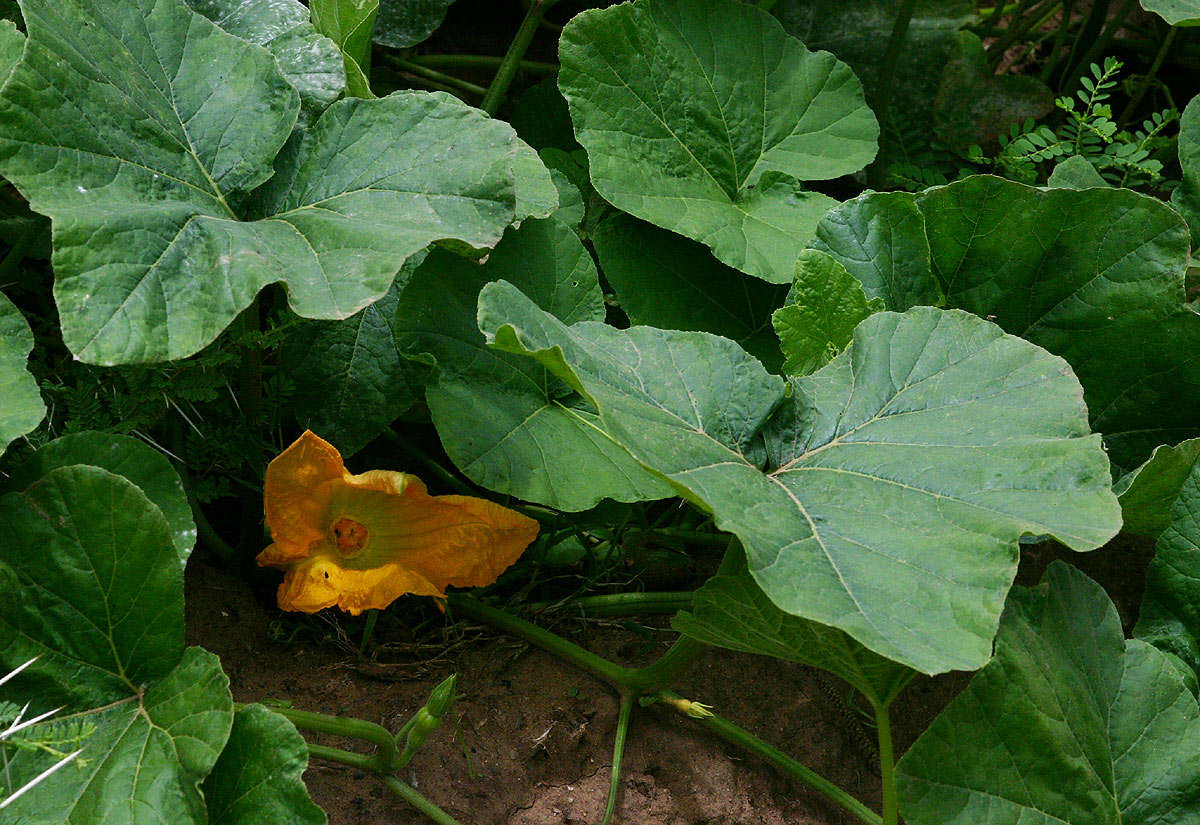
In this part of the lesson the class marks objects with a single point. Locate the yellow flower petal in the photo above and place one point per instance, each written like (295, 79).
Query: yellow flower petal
(361, 541)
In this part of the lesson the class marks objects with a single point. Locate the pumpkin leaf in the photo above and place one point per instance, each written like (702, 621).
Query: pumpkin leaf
(706, 119)
(903, 472)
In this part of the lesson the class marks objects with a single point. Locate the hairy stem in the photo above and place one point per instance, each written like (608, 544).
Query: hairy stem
(512, 58)
(614, 783)
(744, 739)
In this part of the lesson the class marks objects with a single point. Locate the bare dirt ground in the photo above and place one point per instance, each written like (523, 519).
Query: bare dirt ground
(529, 739)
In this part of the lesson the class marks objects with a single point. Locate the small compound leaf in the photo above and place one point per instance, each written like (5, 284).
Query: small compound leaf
(731, 611)
(1076, 172)
(404, 23)
(1170, 615)
(879, 237)
(1067, 724)
(703, 119)
(351, 381)
(309, 61)
(258, 777)
(1147, 493)
(1175, 12)
(903, 472)
(503, 420)
(820, 313)
(664, 280)
(1110, 303)
(125, 456)
(152, 259)
(23, 408)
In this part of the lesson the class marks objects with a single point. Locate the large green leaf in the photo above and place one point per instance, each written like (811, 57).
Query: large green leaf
(1186, 197)
(22, 408)
(705, 118)
(257, 779)
(1175, 12)
(1147, 493)
(350, 379)
(101, 604)
(1170, 615)
(1034, 262)
(879, 237)
(311, 62)
(664, 280)
(1068, 724)
(136, 125)
(820, 313)
(404, 23)
(125, 456)
(503, 420)
(348, 23)
(897, 480)
(731, 611)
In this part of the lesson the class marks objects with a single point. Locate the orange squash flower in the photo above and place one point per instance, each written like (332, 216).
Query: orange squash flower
(361, 541)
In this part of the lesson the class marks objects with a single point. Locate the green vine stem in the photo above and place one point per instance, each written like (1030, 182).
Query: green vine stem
(424, 72)
(649, 679)
(744, 739)
(512, 59)
(621, 604)
(886, 81)
(377, 735)
(401, 789)
(1144, 86)
(479, 61)
(887, 765)
(614, 783)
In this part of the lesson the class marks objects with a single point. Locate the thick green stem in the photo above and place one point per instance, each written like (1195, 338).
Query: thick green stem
(649, 679)
(743, 738)
(502, 620)
(1144, 86)
(886, 81)
(887, 764)
(623, 604)
(410, 795)
(207, 534)
(512, 58)
(614, 783)
(377, 735)
(406, 792)
(426, 73)
(479, 61)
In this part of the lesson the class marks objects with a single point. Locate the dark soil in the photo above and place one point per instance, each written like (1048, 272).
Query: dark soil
(529, 739)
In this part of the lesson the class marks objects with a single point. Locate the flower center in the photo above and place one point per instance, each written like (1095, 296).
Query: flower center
(349, 536)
